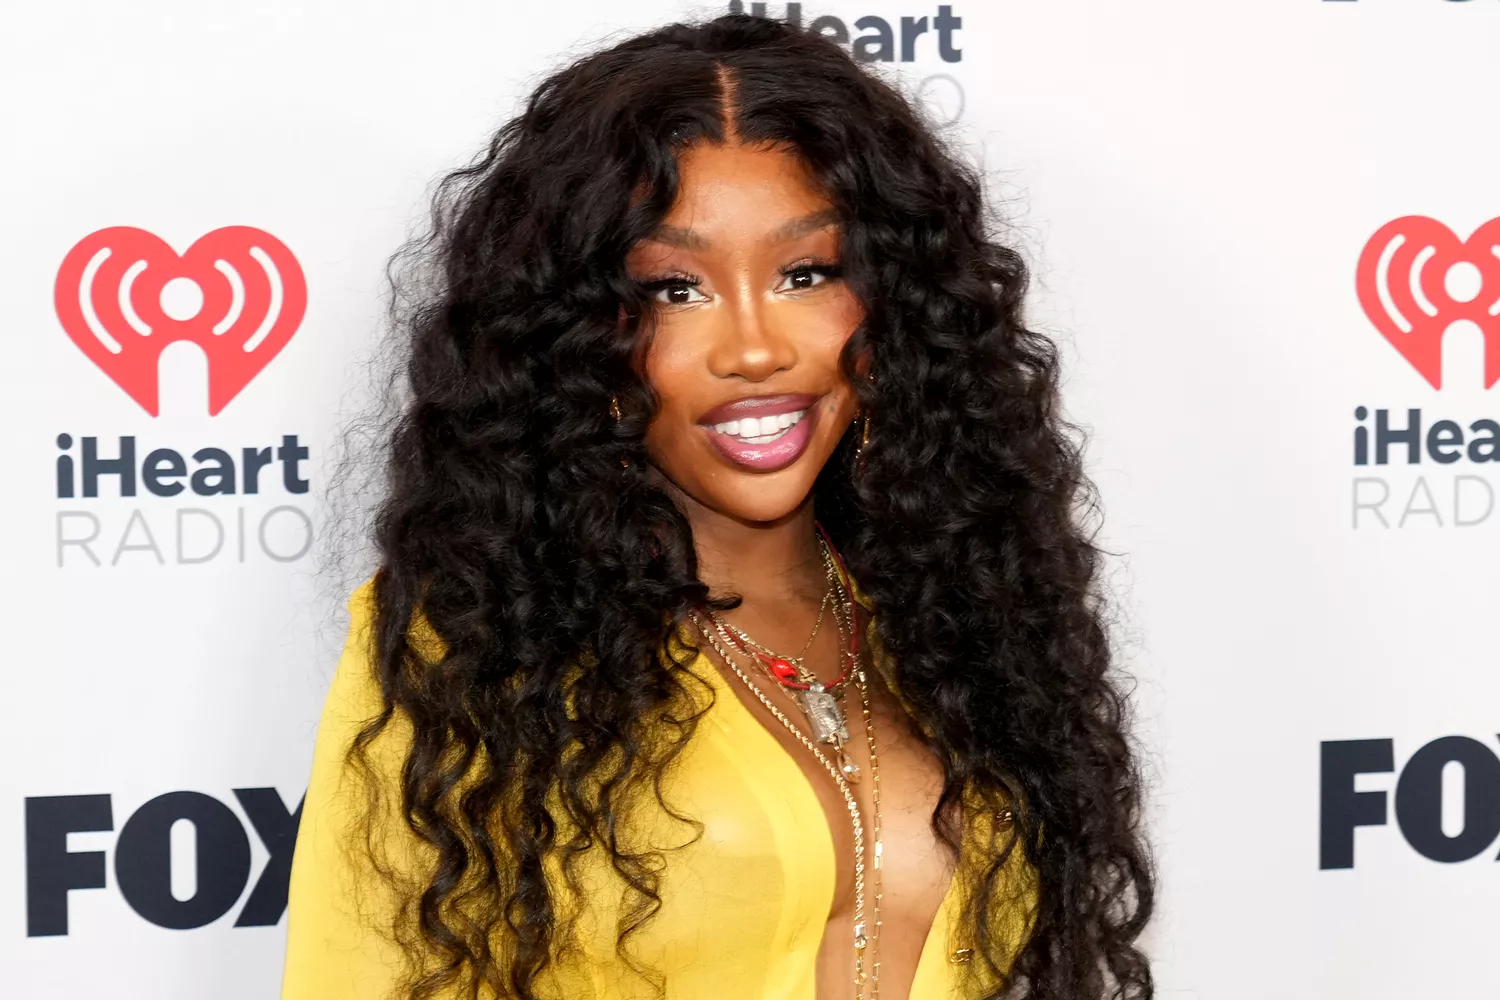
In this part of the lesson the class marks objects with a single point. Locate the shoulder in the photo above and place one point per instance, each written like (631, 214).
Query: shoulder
(364, 616)
(357, 668)
(361, 747)
(340, 907)
(355, 689)
(355, 700)
(361, 603)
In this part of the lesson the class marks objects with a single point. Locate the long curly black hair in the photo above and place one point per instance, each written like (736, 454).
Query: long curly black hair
(553, 571)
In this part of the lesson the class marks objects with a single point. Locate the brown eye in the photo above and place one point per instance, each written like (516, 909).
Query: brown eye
(676, 292)
(803, 277)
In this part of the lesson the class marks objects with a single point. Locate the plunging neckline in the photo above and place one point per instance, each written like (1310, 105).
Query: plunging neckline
(796, 783)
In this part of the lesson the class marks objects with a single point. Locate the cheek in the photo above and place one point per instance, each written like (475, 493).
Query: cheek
(670, 365)
(841, 315)
(673, 368)
(836, 321)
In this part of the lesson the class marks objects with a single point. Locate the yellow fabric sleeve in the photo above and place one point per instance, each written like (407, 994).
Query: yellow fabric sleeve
(339, 911)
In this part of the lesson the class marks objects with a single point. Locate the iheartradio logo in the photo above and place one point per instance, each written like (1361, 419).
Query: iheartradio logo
(123, 295)
(1416, 278)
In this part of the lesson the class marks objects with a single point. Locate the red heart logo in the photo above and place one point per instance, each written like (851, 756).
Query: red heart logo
(1403, 283)
(108, 297)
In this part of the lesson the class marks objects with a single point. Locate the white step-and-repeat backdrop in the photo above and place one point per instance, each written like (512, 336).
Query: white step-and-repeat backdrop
(1265, 230)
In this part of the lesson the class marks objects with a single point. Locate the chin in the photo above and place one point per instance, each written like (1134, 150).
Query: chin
(762, 503)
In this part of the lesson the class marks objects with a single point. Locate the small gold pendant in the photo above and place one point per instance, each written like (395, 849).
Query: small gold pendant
(848, 767)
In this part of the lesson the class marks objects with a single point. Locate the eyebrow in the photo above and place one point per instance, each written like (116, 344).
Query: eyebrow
(790, 230)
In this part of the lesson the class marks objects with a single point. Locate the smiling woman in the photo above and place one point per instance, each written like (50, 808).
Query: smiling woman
(735, 633)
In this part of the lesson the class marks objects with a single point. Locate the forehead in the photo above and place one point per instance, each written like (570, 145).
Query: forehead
(747, 187)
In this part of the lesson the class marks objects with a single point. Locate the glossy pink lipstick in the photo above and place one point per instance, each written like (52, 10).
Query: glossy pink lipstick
(764, 433)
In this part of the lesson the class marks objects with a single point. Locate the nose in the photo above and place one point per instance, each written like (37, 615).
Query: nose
(753, 342)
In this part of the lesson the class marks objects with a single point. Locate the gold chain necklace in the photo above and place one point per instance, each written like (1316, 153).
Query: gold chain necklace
(841, 605)
(825, 715)
(862, 940)
(820, 703)
(800, 660)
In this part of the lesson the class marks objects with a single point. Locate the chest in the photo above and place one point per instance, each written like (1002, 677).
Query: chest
(914, 865)
(900, 781)
(759, 893)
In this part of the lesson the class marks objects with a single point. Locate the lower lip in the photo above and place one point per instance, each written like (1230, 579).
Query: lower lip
(771, 456)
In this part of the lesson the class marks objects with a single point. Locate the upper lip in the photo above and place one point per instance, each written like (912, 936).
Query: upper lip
(758, 406)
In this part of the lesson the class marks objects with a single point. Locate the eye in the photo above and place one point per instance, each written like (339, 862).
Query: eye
(806, 275)
(678, 290)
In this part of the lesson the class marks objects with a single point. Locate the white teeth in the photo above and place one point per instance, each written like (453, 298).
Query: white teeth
(760, 430)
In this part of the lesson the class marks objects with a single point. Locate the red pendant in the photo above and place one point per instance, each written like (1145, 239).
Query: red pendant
(781, 669)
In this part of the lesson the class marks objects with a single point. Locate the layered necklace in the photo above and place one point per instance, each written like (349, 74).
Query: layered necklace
(822, 706)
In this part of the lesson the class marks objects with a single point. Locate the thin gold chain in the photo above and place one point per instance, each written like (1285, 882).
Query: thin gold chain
(798, 661)
(795, 661)
(817, 624)
(861, 939)
(864, 704)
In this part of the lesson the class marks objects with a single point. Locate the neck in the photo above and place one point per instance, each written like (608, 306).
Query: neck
(762, 561)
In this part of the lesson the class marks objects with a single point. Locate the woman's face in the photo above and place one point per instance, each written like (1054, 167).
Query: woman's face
(750, 316)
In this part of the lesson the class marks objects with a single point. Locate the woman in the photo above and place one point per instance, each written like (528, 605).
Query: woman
(736, 633)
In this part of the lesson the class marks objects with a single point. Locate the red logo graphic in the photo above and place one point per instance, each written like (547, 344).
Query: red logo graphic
(238, 293)
(1416, 278)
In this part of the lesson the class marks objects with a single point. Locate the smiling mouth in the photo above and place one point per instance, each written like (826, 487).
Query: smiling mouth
(760, 430)
(763, 433)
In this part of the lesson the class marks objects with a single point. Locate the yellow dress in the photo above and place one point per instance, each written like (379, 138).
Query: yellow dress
(743, 907)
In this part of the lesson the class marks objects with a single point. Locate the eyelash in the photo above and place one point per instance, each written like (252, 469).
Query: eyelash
(831, 270)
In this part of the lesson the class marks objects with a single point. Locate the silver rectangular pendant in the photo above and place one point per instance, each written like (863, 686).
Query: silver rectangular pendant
(824, 716)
